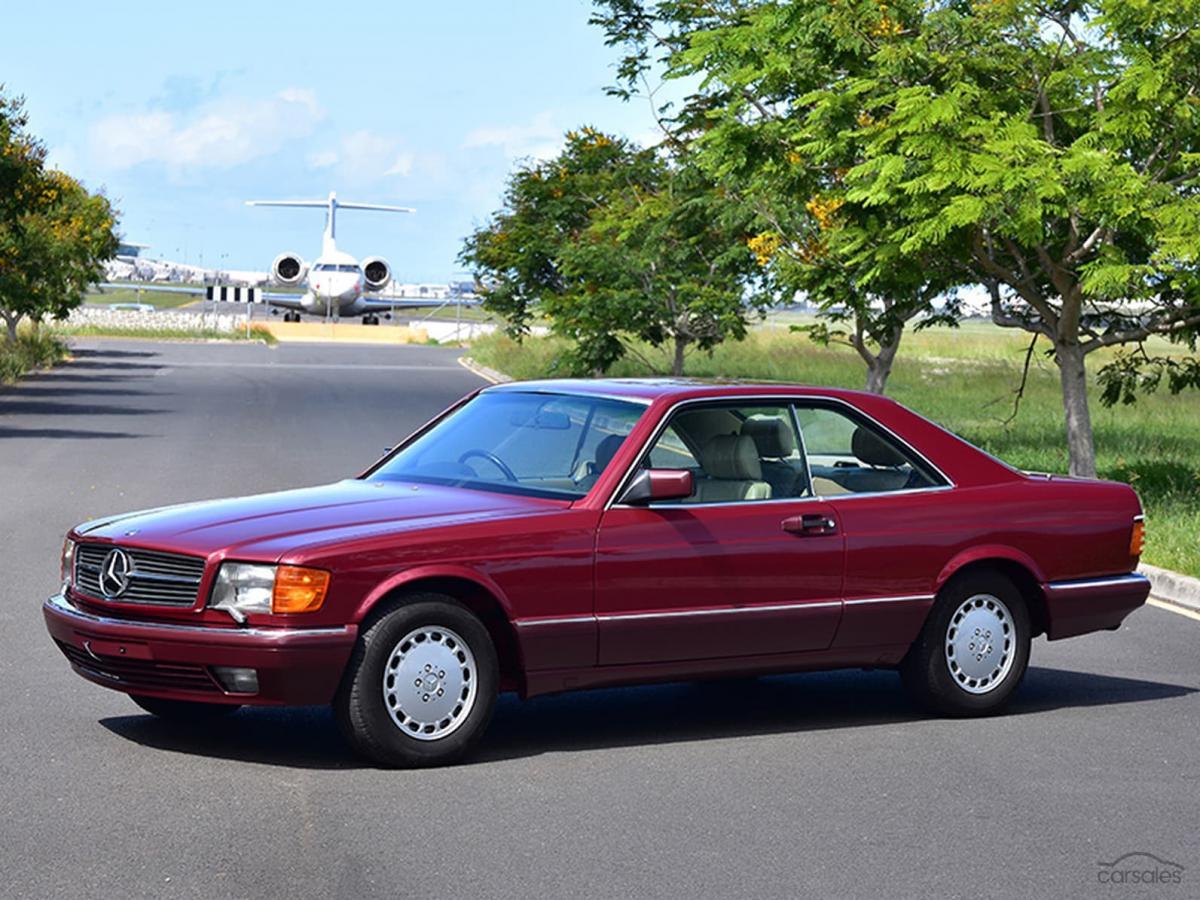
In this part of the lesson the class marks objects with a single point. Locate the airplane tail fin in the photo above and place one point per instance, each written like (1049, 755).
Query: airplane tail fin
(331, 205)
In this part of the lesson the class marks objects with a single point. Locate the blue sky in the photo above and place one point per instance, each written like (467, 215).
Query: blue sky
(180, 112)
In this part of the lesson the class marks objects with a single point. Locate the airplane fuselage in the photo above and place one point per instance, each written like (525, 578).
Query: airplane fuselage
(335, 283)
(335, 286)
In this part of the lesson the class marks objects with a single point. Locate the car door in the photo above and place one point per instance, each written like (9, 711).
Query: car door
(750, 564)
(897, 515)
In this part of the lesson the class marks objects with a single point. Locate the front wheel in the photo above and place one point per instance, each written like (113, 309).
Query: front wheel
(420, 686)
(973, 651)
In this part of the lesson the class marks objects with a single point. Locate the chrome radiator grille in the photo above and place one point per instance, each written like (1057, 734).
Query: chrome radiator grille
(165, 579)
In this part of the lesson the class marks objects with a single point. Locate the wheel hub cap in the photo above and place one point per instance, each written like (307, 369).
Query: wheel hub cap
(429, 683)
(980, 643)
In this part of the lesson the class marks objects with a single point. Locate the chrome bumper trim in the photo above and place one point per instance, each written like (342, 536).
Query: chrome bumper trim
(60, 605)
(1133, 579)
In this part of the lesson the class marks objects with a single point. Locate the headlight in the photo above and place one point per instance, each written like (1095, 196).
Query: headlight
(245, 588)
(67, 564)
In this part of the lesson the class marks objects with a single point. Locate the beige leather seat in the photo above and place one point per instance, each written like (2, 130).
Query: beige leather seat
(776, 443)
(732, 471)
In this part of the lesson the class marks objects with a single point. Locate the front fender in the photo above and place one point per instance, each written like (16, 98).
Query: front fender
(422, 573)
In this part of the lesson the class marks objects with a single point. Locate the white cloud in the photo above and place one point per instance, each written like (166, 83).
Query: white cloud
(218, 135)
(401, 165)
(541, 138)
(322, 159)
(364, 158)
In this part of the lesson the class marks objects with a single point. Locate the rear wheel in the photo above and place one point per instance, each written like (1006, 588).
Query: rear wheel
(184, 710)
(420, 686)
(974, 649)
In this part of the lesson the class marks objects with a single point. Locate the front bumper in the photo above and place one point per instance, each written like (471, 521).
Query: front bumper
(296, 666)
(1092, 604)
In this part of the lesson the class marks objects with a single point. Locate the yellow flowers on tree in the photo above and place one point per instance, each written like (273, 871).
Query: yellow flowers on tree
(1048, 151)
(54, 234)
(746, 126)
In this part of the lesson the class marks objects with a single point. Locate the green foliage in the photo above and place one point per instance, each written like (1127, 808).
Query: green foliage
(1131, 374)
(31, 350)
(54, 234)
(1048, 151)
(609, 242)
(753, 129)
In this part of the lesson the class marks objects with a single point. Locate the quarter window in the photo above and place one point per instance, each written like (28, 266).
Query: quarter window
(847, 455)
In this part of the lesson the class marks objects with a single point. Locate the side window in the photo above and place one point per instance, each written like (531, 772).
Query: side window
(670, 452)
(735, 453)
(847, 455)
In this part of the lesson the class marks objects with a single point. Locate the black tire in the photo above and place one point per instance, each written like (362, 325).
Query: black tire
(369, 708)
(937, 680)
(184, 711)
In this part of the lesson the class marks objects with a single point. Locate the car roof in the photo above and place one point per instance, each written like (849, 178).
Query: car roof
(650, 389)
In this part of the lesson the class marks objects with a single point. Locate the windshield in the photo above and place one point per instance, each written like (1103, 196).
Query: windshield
(330, 267)
(547, 445)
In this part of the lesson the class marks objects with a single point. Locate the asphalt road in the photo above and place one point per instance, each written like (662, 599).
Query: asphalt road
(823, 786)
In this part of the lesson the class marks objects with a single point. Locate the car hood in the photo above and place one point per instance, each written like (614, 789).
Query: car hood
(266, 526)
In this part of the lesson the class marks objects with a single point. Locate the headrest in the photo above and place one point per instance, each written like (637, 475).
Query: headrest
(731, 456)
(606, 450)
(773, 438)
(873, 450)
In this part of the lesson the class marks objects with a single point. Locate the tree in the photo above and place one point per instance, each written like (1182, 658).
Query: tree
(1052, 150)
(756, 62)
(54, 234)
(515, 255)
(612, 243)
(865, 303)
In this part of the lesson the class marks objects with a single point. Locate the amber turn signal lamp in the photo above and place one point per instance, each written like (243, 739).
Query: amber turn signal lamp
(1137, 541)
(298, 590)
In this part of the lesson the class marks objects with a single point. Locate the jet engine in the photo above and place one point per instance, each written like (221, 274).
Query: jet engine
(288, 269)
(376, 272)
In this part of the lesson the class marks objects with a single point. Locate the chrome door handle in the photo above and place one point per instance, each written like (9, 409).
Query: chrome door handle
(809, 525)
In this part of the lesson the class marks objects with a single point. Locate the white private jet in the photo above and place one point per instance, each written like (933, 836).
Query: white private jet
(335, 282)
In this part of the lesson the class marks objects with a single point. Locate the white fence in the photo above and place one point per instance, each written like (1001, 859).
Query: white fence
(162, 320)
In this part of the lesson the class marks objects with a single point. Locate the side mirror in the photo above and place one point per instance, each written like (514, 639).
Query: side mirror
(658, 484)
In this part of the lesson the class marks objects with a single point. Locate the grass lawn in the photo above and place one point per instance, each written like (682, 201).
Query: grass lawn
(257, 333)
(159, 299)
(965, 379)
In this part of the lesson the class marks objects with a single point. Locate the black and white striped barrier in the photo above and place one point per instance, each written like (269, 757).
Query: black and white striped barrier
(225, 293)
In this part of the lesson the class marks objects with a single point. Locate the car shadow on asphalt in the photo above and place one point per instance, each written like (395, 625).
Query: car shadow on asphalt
(307, 738)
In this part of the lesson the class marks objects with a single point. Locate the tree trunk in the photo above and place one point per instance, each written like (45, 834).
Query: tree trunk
(12, 321)
(681, 343)
(1081, 447)
(879, 365)
(877, 375)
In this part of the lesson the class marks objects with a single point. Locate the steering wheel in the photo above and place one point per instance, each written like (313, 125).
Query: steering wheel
(493, 459)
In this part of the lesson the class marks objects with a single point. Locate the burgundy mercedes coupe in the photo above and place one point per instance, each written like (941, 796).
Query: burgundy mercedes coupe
(547, 536)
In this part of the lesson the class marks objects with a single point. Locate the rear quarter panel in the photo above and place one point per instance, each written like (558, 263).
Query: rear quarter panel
(910, 545)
